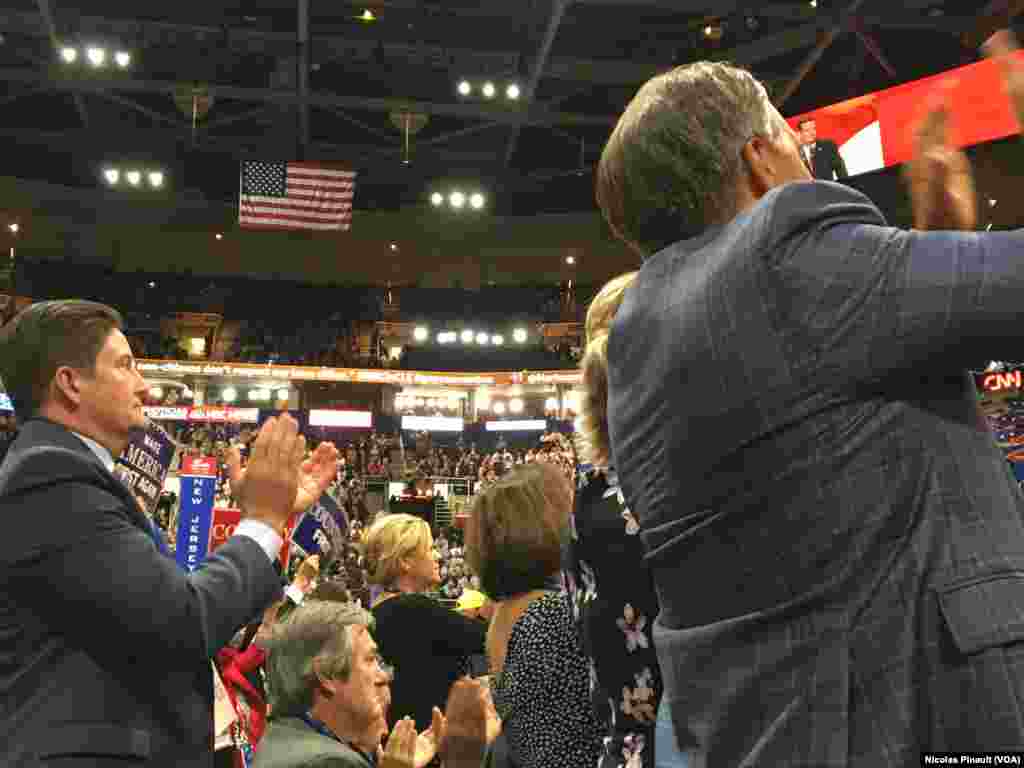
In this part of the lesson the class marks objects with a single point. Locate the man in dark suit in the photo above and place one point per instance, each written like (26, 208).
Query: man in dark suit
(105, 644)
(836, 542)
(821, 155)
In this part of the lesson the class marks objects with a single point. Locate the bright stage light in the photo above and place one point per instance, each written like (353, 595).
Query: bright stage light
(498, 408)
(497, 340)
(515, 405)
(465, 88)
(482, 338)
(133, 177)
(420, 333)
(477, 201)
(488, 90)
(283, 394)
(69, 55)
(512, 92)
(123, 59)
(551, 404)
(156, 179)
(96, 56)
(112, 175)
(457, 199)
(467, 337)
(228, 395)
(436, 199)
(519, 334)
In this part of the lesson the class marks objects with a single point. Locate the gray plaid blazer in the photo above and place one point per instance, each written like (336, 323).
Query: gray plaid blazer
(837, 542)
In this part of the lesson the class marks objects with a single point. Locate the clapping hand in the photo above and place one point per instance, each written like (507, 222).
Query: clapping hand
(315, 476)
(941, 180)
(400, 750)
(471, 724)
(1002, 47)
(268, 490)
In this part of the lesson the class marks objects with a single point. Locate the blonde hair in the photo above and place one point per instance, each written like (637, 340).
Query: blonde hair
(595, 442)
(515, 529)
(390, 540)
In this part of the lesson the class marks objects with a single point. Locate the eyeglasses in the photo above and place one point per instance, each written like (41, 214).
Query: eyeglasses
(387, 669)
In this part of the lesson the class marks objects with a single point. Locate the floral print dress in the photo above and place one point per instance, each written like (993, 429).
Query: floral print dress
(614, 605)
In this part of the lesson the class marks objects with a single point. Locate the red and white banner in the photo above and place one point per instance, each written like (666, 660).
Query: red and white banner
(877, 130)
(199, 466)
(203, 413)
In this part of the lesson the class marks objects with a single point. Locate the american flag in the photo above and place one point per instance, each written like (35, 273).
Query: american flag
(295, 196)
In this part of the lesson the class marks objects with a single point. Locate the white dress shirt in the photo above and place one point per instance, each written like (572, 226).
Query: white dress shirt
(270, 541)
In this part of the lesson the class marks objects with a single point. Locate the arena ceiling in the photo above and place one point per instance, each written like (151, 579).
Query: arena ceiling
(212, 83)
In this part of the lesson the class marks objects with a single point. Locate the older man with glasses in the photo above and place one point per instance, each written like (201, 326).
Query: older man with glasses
(329, 694)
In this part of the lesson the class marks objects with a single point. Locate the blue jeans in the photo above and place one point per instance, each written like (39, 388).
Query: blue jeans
(666, 751)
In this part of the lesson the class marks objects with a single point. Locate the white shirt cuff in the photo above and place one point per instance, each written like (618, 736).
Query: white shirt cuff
(270, 541)
(295, 594)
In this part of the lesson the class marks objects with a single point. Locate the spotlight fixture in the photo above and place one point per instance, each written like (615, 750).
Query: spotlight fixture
(476, 200)
(13, 226)
(814, 3)
(456, 199)
(464, 88)
(488, 90)
(367, 16)
(151, 284)
(112, 175)
(442, 337)
(497, 340)
(713, 31)
(420, 333)
(515, 405)
(482, 338)
(219, 236)
(394, 246)
(436, 199)
(570, 260)
(133, 177)
(498, 408)
(123, 59)
(156, 179)
(69, 54)
(512, 91)
(283, 394)
(96, 56)
(519, 335)
(229, 394)
(467, 336)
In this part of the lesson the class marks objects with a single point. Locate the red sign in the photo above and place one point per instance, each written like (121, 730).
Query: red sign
(996, 382)
(226, 520)
(203, 466)
(224, 523)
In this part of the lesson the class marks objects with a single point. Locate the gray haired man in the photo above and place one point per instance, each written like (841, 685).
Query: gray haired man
(328, 693)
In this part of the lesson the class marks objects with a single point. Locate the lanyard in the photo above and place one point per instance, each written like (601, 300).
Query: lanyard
(323, 730)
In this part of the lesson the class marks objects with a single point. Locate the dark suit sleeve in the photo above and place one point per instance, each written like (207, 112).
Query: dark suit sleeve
(871, 300)
(90, 574)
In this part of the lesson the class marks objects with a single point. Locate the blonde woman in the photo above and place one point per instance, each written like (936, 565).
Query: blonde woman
(427, 644)
(513, 543)
(613, 598)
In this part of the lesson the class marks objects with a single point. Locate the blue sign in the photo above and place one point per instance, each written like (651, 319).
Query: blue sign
(195, 516)
(321, 527)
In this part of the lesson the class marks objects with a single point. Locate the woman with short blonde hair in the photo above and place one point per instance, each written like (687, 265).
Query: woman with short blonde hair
(428, 645)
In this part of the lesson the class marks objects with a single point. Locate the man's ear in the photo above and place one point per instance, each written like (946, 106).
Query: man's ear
(67, 384)
(327, 686)
(760, 166)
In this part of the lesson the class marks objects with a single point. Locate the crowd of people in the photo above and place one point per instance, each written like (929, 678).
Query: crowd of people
(819, 570)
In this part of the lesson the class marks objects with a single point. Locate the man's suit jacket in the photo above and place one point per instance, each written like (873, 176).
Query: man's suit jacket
(290, 743)
(105, 644)
(825, 159)
(835, 538)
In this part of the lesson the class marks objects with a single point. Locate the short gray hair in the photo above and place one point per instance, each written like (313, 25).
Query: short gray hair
(317, 629)
(672, 163)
